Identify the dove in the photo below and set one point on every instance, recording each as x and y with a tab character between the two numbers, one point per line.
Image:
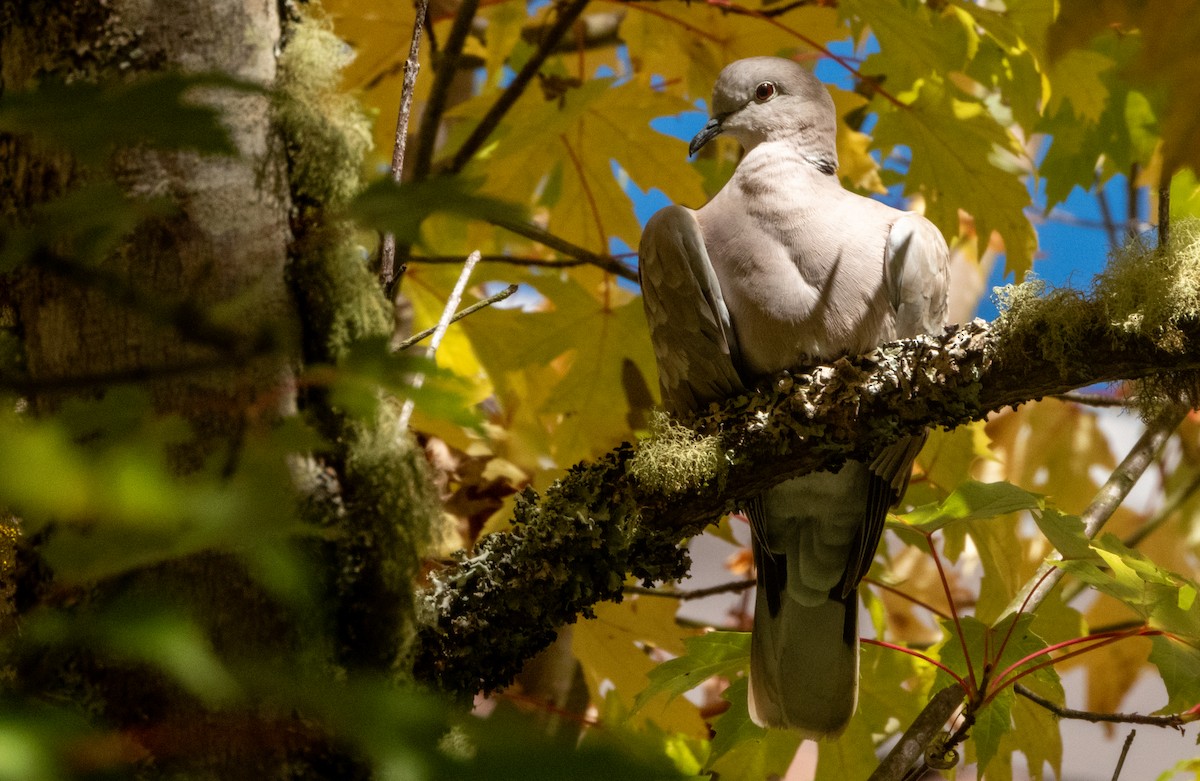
781	268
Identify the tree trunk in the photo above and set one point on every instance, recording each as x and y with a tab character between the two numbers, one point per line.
216	264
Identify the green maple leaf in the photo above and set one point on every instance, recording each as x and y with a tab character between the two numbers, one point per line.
962	158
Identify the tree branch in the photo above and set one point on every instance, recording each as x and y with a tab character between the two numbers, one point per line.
512	93
606	262
1172	720
412	66
465	312
627	512
439	92
911	746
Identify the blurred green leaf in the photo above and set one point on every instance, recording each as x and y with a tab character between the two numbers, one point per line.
974	501
401	208
163	110
371	366
84	225
714	653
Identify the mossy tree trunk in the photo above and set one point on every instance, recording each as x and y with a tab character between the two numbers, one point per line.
215	264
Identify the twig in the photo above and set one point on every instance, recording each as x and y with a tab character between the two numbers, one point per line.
1096	399
512	93
439	92
1172	720
514	260
1107	499
1110	223
1164	213
1132	205
911	746
440	331
1124	752
605	262
472	309
695	593
412	67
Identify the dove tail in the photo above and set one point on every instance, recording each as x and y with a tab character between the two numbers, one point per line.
804	665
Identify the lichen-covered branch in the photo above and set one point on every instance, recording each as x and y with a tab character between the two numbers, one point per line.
627	513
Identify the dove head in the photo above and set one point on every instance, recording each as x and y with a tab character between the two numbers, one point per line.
773	99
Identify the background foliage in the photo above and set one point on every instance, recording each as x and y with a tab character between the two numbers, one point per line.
971	111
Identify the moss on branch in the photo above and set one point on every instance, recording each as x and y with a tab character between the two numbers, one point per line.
628	512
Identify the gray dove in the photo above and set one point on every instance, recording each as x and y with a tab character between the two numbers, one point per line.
782	267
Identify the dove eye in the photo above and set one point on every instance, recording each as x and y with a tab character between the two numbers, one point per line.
764	91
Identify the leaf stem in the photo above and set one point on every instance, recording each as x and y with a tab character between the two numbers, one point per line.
973	689
902	649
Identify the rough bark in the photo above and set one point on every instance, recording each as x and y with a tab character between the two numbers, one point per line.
224	246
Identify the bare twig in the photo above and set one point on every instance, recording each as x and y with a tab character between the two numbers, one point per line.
412	67
1107	499
695	593
605	262
472	309
1171	720
512	93
439	92
440	331
1173	503
1110	223
1132	202
1124	752
1096	399
514	260
1164	211
911	746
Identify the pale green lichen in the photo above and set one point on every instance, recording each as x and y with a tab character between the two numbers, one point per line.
328	133
1052	321
1149	291
675	458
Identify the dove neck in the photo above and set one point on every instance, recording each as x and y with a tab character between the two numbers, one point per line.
774	162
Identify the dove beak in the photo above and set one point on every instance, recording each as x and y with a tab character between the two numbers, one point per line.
711	129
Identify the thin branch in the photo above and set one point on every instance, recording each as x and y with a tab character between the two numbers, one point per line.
512	93
1097	399
412	66
439	92
472	309
1106	214
517	260
1107	500
684	595
910	749
1173	720
1164	215
1124	752
1173	503
533	232
1132	201
440	331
